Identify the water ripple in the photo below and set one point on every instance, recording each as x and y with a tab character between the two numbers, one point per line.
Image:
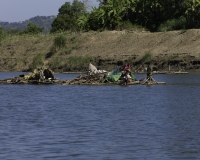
101	122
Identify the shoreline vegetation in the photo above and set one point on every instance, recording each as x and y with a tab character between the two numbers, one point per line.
71	52
113	34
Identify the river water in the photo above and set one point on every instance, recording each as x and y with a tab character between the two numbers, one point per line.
67	122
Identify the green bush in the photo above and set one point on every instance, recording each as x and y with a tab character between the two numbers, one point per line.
33	29
146	57
59	42
38	61
174	24
125	25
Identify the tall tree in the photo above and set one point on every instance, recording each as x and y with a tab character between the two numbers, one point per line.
112	14
96	19
83	22
68	16
192	13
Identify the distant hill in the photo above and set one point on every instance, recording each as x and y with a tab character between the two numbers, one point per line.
40	21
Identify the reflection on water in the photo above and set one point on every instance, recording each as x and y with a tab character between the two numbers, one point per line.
101	122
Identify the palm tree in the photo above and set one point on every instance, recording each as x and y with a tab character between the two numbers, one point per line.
115	10
112	13
97	19
83	22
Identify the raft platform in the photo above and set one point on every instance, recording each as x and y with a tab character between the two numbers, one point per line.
97	79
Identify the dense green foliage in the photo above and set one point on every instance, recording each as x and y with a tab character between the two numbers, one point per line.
60	42
67	16
32	29
151	14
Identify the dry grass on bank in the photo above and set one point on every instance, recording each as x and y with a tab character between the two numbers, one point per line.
23	52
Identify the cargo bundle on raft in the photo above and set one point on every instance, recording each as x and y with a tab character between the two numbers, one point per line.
38	76
119	76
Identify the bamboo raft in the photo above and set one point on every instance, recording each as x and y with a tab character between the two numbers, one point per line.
96	79
150	81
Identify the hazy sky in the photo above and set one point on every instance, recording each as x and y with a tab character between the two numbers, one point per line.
21	10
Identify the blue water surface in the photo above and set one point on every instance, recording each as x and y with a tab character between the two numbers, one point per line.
63	122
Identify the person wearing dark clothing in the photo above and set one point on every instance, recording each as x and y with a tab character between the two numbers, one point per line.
149	71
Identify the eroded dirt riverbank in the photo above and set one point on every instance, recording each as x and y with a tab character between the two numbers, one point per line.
167	51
